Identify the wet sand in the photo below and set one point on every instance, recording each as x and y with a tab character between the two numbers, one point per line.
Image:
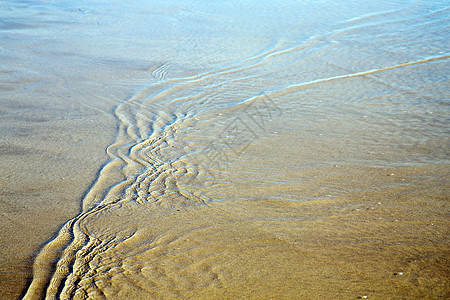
51	152
215	152
385	243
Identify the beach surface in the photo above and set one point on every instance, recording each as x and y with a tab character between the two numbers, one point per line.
232	150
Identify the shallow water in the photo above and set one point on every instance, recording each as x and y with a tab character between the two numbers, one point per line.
224	150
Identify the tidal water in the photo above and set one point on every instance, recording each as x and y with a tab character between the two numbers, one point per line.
219	150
